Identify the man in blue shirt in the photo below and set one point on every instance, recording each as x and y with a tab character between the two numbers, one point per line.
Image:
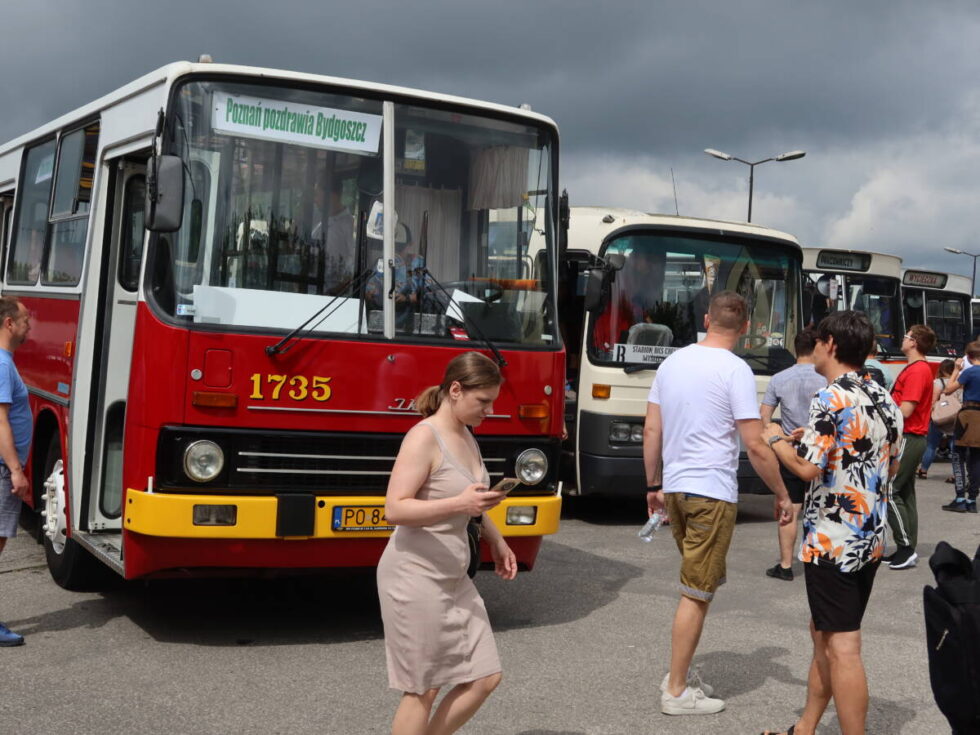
16	429
792	390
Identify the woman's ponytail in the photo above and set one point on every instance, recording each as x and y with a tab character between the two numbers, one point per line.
427	402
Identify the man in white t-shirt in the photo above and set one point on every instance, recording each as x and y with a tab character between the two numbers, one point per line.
701	401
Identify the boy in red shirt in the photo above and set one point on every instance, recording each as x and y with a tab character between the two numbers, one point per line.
913	394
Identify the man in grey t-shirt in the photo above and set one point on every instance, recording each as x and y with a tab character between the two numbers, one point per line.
792	390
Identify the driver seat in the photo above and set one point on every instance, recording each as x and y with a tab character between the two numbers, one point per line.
659	335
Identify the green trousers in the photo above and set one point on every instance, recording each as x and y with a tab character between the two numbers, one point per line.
903	519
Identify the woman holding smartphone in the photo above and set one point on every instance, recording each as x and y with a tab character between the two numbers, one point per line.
437	633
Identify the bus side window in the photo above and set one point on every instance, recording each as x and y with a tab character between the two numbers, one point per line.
132	234
31	218
70	207
6	217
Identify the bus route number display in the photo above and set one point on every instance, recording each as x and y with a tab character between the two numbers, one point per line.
297	387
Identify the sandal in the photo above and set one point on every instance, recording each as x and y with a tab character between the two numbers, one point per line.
922	474
788	732
950	480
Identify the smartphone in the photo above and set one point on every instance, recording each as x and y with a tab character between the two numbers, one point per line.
505	485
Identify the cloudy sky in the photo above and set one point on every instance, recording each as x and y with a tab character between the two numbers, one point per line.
884	95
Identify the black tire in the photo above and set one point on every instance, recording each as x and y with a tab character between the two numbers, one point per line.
74	568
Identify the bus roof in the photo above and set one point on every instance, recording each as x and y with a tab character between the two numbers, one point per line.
936	281
861	261
589	226
171	72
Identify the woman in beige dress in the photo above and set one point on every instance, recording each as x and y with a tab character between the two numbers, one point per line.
437	633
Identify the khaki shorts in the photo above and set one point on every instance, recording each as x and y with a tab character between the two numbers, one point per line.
702	528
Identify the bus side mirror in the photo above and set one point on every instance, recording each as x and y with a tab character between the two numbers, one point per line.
600	279
164	193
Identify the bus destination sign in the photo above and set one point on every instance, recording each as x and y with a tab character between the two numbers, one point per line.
843	260
924	279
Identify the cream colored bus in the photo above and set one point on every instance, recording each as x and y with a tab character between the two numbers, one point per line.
642	286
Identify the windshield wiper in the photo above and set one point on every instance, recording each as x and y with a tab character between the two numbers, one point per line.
466	320
283	346
630	369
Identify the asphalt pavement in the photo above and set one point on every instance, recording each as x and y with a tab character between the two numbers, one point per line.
584	641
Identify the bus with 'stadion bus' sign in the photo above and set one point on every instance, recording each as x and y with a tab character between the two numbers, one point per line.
638	289
240	279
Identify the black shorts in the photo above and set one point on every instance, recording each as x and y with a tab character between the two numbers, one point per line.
838	599
794	486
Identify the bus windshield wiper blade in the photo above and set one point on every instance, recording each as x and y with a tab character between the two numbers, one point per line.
640	367
467	320
283	346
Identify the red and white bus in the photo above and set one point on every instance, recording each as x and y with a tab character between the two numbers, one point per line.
864	281
940	301
229	332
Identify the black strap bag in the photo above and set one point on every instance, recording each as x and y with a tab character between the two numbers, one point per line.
952	612
474	532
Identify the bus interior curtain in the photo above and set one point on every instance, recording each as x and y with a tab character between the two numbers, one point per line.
498	178
443	206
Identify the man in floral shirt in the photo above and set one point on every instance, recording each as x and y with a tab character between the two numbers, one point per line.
849	451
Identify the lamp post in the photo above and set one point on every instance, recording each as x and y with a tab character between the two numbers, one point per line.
973	285
790	156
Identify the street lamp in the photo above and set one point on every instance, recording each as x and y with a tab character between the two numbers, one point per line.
973	286
790	156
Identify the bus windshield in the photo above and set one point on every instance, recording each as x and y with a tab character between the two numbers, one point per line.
876	296
945	312
657	303
284	211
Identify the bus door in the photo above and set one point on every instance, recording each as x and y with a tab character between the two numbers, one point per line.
121	274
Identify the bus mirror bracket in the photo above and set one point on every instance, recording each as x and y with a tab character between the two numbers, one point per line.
164	193
600	278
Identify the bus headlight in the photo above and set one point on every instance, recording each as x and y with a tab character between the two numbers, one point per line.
531	466
203	460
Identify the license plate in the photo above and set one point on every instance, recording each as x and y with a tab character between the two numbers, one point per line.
360	518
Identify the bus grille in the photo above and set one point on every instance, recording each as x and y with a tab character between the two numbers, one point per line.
259	462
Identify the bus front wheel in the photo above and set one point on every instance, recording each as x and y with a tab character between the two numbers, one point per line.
70	565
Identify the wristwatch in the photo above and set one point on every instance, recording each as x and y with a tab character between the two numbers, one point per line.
774	439
654	488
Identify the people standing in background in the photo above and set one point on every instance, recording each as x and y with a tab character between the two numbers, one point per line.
936	434
912	394
16	430
792	390
966	377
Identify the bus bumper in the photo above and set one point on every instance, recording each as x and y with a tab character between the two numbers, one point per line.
621	476
161	533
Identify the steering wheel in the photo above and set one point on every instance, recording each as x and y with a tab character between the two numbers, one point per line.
483	289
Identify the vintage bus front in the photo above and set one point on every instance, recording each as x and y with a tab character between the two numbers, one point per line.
850	279
940	301
658	274
329	258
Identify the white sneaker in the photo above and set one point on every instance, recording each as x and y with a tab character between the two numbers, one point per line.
690	702
693	680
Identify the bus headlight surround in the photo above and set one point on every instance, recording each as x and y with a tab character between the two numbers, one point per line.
203	460
531	466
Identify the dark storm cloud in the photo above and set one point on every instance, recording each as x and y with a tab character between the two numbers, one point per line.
883	95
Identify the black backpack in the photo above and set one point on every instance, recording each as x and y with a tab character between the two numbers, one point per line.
952	610
875	374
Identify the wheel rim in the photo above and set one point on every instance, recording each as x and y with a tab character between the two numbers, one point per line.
55	521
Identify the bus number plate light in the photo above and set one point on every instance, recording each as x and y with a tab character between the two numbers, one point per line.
215	515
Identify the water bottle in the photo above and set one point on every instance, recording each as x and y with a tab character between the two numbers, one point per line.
650	527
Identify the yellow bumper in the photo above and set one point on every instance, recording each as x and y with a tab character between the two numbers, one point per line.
162	514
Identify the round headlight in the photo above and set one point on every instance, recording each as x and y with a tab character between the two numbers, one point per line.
531	466
203	460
